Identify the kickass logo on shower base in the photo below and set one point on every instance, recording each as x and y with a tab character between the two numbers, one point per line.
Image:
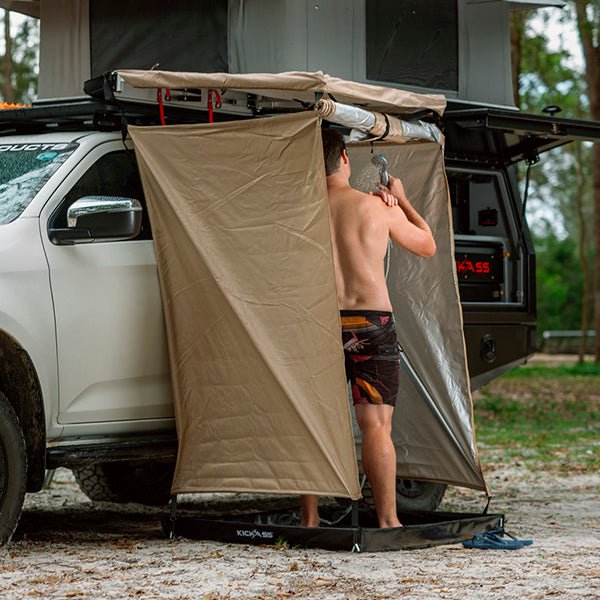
254	533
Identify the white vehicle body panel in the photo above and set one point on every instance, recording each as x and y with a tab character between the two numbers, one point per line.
111	345
26	306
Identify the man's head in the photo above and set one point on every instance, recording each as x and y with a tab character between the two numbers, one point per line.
333	150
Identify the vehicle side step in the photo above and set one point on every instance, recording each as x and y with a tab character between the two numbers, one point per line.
80	455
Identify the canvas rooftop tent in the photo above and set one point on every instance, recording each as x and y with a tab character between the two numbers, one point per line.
446	45
240	222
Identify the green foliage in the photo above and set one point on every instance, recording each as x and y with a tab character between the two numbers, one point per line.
559	283
543	417
559	371
560	192
25	59
548	76
25	50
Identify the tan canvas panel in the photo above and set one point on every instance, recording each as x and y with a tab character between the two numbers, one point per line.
293	85
240	222
434	435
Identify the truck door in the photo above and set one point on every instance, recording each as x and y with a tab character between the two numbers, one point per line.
495	257
112	362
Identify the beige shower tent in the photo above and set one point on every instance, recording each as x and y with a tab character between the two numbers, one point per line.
240	220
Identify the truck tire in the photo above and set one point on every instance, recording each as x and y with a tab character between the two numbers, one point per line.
13	470
411	496
144	482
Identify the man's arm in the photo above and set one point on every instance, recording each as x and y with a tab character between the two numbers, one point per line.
407	227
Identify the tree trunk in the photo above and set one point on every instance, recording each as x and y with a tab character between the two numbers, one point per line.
591	53
517	24
7	65
583	261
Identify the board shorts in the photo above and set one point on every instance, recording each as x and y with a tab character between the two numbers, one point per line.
372	356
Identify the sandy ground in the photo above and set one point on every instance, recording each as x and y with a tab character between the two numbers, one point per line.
67	547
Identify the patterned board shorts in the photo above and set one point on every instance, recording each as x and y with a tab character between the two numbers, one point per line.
372	356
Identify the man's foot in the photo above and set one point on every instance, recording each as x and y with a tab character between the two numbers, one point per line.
385	523
310	511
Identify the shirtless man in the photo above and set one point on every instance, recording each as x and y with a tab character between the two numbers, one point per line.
361	225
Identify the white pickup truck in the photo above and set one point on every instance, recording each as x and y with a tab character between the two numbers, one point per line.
84	379
84	376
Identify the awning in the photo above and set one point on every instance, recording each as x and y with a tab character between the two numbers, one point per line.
294	85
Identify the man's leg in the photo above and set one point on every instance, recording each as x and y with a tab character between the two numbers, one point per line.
310	511
379	459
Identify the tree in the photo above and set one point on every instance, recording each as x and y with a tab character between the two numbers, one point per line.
19	62
588	24
7	63
545	77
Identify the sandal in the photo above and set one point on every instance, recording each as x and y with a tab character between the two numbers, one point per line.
493	540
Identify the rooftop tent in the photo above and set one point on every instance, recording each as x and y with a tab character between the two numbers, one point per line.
446	45
240	219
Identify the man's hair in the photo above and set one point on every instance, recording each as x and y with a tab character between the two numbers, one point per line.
333	146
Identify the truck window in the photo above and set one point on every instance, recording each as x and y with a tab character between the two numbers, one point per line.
114	174
24	169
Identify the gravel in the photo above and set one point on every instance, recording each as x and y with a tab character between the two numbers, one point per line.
68	547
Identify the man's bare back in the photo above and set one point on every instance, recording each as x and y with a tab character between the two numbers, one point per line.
361	226
360	241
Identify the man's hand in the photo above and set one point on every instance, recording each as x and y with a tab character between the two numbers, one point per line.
396	188
387	197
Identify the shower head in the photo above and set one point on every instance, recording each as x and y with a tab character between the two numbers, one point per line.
381	163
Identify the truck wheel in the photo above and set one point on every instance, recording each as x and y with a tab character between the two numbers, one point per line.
13	470
144	482
412	496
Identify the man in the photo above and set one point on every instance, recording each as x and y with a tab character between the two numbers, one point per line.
361	225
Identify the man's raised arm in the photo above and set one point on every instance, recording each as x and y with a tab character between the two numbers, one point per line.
407	227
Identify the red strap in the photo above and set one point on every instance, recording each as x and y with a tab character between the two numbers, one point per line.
161	106
209	104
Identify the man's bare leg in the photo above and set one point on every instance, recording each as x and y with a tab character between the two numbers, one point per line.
310	511
379	459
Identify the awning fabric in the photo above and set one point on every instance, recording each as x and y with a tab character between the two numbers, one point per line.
240	224
433	433
241	230
294	85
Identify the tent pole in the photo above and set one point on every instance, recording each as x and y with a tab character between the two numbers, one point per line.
173	516
355	527
487	505
354	514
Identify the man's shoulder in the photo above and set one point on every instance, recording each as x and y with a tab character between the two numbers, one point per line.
362	202
365	199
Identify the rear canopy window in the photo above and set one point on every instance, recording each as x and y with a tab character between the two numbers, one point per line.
24	169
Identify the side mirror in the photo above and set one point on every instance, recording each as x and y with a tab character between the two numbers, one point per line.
100	218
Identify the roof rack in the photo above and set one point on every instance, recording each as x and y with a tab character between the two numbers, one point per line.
109	107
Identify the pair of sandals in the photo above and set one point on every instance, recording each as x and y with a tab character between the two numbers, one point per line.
493	540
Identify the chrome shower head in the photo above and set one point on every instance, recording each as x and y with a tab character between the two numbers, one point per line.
381	163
